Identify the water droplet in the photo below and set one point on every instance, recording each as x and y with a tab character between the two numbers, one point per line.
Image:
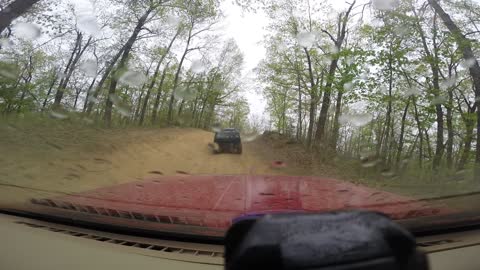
385	5
376	23
348	86
93	100
26	31
439	100
217	127
88	121
333	50
58	115
89	67
120	106
388	174
412	92
468	63
5	43
173	21
363	76
306	39
450	82
89	25
349	61
401	30
9	71
356	120
133	78
278	164
184	93
370	164
197	67
281	47
61	75
249	137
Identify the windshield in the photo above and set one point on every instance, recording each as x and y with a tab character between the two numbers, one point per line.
185	116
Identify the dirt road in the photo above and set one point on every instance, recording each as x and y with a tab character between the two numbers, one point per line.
80	163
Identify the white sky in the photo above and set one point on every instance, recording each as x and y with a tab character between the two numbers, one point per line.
248	30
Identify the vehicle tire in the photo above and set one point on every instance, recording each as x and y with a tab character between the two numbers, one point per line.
239	148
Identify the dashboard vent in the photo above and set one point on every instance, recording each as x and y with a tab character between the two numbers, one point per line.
129	243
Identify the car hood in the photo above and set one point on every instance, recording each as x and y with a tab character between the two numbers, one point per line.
207	205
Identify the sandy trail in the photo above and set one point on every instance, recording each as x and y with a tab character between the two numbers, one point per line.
134	155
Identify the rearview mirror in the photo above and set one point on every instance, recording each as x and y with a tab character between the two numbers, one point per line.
347	240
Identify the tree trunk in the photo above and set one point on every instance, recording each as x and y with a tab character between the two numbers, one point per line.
14	10
50	88
450	130
420	134
89	90
109	69
159	94
322	121
71	67
402	133
336	123
122	64
177	77
465	155
154	80
313	99
465	46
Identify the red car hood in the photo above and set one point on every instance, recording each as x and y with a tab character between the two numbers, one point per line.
207	205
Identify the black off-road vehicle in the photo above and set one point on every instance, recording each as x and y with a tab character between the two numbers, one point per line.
228	140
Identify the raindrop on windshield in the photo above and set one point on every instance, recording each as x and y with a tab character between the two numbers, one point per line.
306	39
197	66
26	31
281	48
89	67
172	21
5	43
217	127
133	78
61	75
89	25
119	105
468	63
385	5
376	22
93	99
58	115
249	137
185	93
370	164
349	61
88	121
401	30
356	120
9	71
439	100
448	83
388	174
412	92
363	76
348	86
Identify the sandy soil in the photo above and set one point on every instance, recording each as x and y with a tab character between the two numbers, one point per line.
72	162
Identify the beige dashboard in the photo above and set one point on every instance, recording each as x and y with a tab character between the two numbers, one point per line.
30	244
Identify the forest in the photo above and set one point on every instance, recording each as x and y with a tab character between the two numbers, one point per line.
122	63
394	83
